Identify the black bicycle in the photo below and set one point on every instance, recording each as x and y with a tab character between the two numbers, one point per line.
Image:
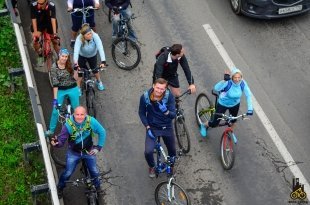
90	191
168	192
125	52
64	112
181	130
89	90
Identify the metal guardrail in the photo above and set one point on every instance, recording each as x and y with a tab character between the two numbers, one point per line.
33	93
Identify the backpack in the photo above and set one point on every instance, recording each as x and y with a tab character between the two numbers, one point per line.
148	101
228	86
162	50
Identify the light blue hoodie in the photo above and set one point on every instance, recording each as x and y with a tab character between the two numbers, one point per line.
89	49
233	95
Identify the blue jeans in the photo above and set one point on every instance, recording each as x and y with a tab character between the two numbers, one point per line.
73	159
126	14
73	94
150	146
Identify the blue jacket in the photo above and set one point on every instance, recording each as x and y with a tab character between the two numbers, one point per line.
233	95
150	115
89	49
83	137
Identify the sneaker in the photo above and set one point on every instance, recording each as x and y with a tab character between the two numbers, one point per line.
48	133
72	43
152	172
203	130
60	192
100	85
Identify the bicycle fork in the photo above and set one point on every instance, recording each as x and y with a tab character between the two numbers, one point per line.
170	190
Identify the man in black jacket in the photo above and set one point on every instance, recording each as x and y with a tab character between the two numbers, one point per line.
166	67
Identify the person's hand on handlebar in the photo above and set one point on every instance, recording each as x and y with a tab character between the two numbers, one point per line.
150	134
54	141
192	88
103	64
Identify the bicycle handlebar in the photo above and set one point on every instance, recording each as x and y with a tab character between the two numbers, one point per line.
84	180
83	10
228	118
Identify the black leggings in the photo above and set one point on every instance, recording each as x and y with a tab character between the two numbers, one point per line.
92	62
222	109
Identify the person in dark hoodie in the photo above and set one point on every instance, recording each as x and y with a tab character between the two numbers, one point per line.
231	90
156	111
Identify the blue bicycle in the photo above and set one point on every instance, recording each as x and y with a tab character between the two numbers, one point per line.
168	192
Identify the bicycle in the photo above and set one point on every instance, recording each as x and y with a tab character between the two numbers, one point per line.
167	191
90	192
205	111
125	52
49	54
88	88
64	112
181	130
84	11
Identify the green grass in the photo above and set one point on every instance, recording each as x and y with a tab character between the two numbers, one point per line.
17	127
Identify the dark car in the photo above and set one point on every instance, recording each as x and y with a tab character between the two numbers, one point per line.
268	9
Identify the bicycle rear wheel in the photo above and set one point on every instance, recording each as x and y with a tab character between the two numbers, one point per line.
177	194
227	150
91	102
126	53
182	134
204	108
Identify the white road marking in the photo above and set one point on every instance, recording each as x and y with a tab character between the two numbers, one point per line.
262	116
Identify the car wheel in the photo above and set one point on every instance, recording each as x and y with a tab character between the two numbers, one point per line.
236	6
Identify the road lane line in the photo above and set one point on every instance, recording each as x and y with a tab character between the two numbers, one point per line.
261	115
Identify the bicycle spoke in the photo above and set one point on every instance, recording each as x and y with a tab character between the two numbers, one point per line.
177	194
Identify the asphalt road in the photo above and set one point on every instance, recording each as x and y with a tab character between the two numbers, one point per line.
274	58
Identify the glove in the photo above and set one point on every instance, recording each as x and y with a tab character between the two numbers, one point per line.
94	151
162	107
226	77
55	103
150	134
250	112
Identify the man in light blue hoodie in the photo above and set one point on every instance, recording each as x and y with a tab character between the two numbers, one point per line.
230	89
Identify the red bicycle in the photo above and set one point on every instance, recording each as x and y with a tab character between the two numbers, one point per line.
49	54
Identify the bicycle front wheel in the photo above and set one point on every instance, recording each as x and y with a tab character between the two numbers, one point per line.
91	102
175	192
126	53
182	134
204	109
227	150
92	198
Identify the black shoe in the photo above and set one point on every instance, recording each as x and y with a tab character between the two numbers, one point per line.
99	190
60	192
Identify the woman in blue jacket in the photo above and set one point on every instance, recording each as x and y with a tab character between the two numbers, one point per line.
86	47
231	90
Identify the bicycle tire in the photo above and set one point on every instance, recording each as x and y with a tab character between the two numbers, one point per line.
92	199
59	155
182	135
161	194
204	108
227	150
91	102
110	16
126	53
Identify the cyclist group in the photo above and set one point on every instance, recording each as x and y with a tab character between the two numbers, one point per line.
157	106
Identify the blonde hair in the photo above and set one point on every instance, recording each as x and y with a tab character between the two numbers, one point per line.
84	30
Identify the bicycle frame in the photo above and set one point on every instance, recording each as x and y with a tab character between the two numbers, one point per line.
178	101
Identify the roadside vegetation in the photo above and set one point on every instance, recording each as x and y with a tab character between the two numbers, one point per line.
17	127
